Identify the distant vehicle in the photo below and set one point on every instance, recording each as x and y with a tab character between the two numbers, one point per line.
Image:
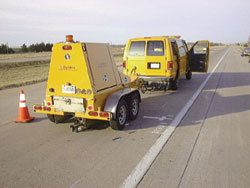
162	61
245	52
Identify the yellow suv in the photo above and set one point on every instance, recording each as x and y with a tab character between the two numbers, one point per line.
162	61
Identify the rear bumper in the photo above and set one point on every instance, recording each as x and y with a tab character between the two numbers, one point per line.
98	115
245	54
156	78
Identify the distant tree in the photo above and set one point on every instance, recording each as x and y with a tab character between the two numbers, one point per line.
4	49
32	48
216	44
24	48
40	47
48	47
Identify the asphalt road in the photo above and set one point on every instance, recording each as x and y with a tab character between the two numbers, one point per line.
210	147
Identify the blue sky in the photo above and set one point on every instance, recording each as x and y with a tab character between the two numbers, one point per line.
114	21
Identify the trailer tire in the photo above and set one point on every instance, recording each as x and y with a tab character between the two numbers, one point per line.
57	118
133	106
121	116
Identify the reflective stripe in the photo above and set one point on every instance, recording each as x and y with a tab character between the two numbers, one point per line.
22	104
22	97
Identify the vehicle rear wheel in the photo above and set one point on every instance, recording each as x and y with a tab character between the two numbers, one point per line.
121	116
189	75
58	118
133	106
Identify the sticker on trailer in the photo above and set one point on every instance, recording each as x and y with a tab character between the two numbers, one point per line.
68	89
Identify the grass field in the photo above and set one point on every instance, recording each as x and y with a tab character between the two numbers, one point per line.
43	54
24	55
24	73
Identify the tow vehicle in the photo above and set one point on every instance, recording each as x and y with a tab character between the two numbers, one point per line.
162	61
84	83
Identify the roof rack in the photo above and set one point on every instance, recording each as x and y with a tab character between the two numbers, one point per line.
173	36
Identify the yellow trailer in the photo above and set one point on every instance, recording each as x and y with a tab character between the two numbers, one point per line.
84	83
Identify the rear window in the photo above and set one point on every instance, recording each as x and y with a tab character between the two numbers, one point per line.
137	48
155	48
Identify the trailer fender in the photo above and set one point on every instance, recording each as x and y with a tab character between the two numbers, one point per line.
113	99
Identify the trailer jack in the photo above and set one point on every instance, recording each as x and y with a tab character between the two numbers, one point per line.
80	124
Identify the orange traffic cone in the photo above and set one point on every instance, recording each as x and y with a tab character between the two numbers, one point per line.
23	112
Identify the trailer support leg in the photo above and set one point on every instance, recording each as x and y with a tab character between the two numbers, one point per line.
80	124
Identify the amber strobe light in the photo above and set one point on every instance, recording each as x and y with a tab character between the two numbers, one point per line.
69	38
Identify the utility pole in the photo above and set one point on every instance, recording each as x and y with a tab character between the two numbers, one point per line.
7	48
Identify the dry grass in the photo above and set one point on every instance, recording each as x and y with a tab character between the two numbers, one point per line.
118	59
15	74
216	47
42	54
25	55
25	73
117	49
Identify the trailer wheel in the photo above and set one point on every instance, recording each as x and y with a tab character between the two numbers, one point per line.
189	75
121	116
57	118
133	106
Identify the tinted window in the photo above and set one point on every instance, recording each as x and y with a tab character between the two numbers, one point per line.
181	48
200	48
173	44
137	48
155	48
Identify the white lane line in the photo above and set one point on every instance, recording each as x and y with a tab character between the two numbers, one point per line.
74	184
142	167
158	118
158	129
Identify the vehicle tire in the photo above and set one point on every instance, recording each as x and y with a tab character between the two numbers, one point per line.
57	118
133	106
121	116
189	75
173	85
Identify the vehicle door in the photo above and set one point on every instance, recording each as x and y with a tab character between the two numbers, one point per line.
135	57
175	59
199	56
155	58
182	57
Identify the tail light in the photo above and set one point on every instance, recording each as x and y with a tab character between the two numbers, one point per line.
38	108
90	107
104	114
67	47
91	113
46	108
124	64
170	65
